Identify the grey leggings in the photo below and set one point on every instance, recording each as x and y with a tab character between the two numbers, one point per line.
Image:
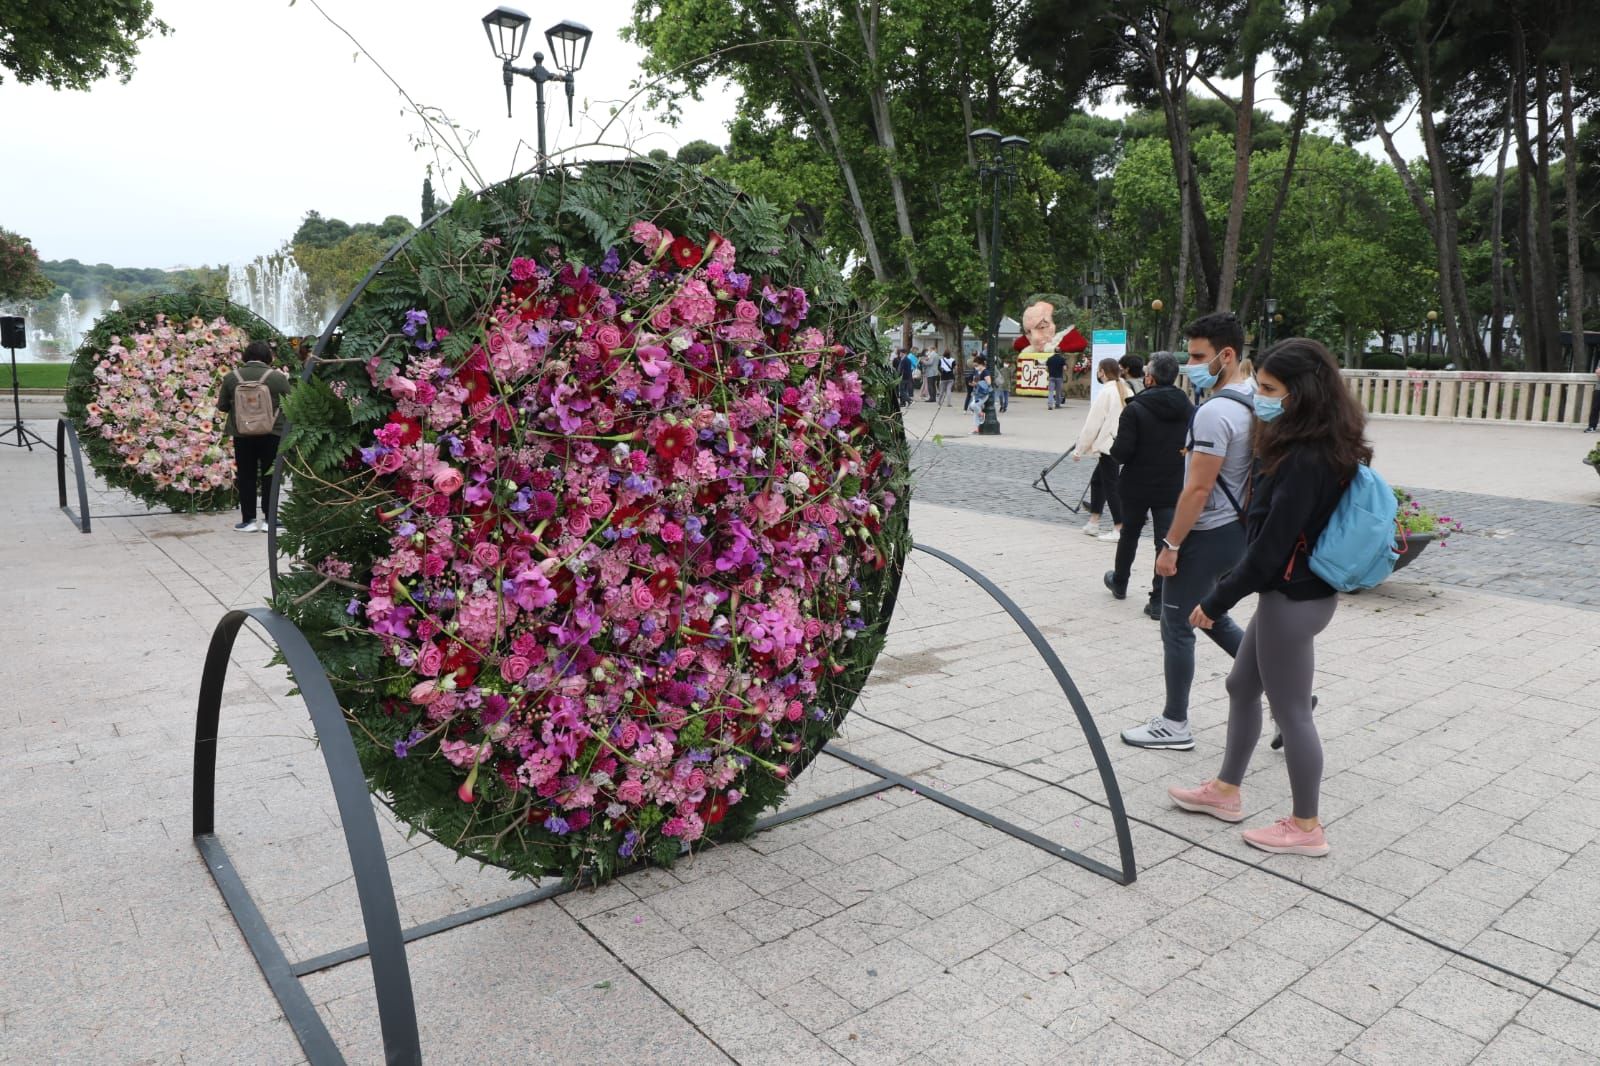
1277	657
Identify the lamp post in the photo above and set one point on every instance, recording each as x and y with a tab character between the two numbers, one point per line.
507	29
1433	317
1273	318
996	161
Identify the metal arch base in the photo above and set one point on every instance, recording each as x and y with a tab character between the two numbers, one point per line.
66	434
386	940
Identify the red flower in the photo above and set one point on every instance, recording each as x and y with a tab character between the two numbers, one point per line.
663	582
686	253
412	428
673	441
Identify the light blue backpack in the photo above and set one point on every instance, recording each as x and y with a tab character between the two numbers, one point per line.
1356	549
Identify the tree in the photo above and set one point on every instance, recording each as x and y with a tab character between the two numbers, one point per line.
696	153
320	232
21	277
71	46
429	208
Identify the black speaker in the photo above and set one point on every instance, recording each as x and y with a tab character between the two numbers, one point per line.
13	332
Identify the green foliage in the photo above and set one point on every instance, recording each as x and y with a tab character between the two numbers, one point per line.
42	375
696	153
452	269
21	277
81	389
72	46
106	283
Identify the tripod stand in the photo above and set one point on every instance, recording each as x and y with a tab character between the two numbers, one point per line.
26	438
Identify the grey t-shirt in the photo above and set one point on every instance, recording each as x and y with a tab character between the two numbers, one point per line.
1222	427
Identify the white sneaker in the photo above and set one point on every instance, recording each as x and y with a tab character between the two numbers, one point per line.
1091	528
245	527
1160	732
1111	534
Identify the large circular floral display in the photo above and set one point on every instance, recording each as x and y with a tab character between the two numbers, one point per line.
143	390
600	506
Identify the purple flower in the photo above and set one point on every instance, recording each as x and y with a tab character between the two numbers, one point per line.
630	840
612	261
414	321
402	748
557	825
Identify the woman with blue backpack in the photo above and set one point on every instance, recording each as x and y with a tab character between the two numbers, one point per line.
1310	453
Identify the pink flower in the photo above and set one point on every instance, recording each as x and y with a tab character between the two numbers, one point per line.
514	668
745	311
424	692
523	269
447	480
608	337
429	662
485	555
642	597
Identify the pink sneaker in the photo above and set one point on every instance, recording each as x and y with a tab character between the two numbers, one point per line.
1208	799
1286	838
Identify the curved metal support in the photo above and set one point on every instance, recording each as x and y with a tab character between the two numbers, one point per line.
66	434
391	975
1108	776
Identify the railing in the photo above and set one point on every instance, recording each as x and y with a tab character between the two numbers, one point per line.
1470	396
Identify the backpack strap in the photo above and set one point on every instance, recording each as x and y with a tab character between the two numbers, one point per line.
1221	481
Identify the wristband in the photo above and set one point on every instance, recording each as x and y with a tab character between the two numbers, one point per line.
1169	545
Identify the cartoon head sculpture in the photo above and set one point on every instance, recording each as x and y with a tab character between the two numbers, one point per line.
1039	325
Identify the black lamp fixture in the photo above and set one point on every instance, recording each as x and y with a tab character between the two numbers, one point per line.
507	29
996	154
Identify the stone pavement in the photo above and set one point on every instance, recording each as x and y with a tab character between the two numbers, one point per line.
1462	799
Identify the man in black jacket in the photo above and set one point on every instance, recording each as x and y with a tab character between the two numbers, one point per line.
1149	446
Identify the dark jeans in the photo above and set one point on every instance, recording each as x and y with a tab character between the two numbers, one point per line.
1207	554
1594	408
1134	512
252	460
1103	493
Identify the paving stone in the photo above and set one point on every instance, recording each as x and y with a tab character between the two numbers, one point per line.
1464	1004
1304	935
1113	1043
1003	1038
1517	1045
1295	1029
1370	976
877	973
1563	1020
1147	960
1401	1038
959	935
1185	1017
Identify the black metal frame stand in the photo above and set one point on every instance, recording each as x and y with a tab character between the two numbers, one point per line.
26	438
1042	483
386	939
67	436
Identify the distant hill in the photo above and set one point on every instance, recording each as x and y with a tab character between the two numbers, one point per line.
104	282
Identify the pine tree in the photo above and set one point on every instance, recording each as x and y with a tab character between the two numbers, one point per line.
428	207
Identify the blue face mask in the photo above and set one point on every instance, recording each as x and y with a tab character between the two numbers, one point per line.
1200	375
1268	407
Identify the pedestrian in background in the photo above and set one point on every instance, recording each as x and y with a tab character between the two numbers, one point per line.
1133	372
1099	433
251	395
930	375
1055	370
1149	450
1308	442
947	377
982	389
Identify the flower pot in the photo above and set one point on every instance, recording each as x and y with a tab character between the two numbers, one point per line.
1593	465
1411	547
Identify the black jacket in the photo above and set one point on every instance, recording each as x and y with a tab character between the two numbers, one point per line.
1150	438
1286	514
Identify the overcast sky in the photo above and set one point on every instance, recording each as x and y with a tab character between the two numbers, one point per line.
254	111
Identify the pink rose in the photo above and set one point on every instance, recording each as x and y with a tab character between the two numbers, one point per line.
402	388
429	662
424	692
671	532
630	791
662	319
389	462
745	311
643	598
485	555
514	668
447	480
432	566
608	337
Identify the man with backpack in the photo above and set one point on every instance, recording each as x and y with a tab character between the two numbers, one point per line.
252	395
947	377
1151	436
1206	537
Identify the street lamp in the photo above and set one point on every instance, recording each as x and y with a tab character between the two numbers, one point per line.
507	29
1433	317
1272	317
996	161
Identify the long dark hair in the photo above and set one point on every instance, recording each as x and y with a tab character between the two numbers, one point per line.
1319	414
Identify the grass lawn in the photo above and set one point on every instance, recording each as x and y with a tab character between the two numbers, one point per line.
37	375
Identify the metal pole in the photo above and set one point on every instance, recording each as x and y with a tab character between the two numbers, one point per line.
538	83
991	420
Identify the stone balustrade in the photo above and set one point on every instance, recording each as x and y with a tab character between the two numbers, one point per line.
1472	396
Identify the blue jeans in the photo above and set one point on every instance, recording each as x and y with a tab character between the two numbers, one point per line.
1207	554
1057	394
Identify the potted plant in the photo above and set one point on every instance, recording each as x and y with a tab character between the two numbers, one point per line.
1417	526
1593	458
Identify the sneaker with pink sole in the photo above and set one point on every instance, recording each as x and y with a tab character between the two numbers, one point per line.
1208	799
1283	837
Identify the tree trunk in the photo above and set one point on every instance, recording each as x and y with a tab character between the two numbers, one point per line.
906	330
1242	137
1497	257
1580	346
819	96
1529	262
972	156
1549	306
1262	269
